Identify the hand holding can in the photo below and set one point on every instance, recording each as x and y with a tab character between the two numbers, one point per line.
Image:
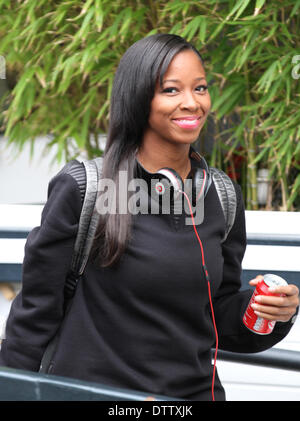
273	300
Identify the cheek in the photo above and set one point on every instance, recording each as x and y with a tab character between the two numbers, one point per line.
160	111
207	103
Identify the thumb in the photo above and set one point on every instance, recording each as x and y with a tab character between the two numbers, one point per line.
256	280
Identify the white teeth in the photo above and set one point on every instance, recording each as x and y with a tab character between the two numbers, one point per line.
188	121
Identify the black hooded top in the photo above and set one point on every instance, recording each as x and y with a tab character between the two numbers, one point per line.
145	323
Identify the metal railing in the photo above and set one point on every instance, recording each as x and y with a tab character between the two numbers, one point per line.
274	239
272	358
20	385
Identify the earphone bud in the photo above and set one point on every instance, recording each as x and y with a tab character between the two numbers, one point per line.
160	188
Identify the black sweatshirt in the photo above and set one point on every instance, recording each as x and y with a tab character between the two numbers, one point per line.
145	323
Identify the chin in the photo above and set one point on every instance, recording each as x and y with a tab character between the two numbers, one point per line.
182	141
188	140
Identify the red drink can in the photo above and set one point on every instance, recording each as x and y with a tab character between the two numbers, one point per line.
251	320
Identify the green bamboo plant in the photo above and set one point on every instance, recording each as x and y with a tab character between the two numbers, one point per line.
62	56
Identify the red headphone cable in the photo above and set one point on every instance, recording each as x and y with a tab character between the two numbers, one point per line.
209	295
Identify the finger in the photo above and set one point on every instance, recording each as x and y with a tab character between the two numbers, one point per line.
290	291
278	318
281	302
274	301
272	310
287	290
273	313
256	280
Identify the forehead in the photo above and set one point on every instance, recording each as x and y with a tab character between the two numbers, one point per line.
185	64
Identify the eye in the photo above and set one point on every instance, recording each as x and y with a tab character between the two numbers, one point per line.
170	90
202	88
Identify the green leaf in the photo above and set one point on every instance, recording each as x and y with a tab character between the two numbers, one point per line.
295	8
203	29
239	7
229	105
99	15
223	97
294	192
192	27
258	5
267	78
70	69
127	15
83	32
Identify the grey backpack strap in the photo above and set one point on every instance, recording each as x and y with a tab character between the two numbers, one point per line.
87	224
87	178
227	197
89	217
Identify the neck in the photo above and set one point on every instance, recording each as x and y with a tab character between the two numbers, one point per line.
173	156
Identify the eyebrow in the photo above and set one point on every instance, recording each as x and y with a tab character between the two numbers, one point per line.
177	80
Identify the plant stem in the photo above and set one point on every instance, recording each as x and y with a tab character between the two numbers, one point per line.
251	149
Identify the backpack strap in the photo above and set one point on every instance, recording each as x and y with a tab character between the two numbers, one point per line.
227	196
87	177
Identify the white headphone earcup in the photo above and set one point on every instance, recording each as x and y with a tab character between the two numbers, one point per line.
201	182
173	177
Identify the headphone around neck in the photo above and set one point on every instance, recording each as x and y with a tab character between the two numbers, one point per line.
200	180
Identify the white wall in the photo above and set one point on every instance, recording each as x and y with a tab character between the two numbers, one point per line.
25	180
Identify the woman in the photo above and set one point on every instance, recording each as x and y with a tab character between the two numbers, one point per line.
141	316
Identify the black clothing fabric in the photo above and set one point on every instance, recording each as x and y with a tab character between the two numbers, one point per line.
145	323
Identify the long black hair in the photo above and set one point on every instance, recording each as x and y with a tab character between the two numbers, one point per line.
142	65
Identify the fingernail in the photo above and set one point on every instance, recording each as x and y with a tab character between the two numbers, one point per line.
258	299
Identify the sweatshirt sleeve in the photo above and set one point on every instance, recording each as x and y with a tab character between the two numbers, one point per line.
37	310
230	302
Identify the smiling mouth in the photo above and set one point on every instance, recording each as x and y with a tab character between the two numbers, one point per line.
187	122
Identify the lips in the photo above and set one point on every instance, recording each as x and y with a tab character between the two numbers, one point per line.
187	122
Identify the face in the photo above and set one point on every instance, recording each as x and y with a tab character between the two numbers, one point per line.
180	107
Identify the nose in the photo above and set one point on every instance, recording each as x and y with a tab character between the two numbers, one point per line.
190	101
